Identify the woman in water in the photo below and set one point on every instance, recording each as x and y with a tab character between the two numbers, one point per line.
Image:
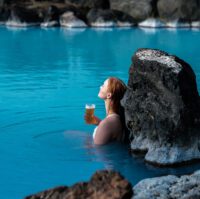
112	127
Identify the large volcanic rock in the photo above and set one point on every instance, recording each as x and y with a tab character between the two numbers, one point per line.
139	10
103	184
179	9
162	108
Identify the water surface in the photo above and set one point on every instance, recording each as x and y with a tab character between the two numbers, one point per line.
47	76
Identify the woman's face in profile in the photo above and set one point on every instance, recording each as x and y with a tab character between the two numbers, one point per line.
103	90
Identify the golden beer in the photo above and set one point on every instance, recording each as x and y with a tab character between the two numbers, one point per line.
89	111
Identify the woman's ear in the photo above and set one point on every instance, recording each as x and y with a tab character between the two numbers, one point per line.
109	95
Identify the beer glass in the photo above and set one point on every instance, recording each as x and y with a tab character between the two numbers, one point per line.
89	111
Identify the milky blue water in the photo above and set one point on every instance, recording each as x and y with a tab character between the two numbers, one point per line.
46	77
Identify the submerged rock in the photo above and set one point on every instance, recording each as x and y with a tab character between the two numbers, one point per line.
103	184
169	187
162	108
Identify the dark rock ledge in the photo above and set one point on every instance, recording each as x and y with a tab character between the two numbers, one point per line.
102	185
162	108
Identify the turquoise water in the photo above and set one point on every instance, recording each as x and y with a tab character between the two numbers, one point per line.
46	77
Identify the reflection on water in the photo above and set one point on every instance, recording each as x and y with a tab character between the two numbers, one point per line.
117	156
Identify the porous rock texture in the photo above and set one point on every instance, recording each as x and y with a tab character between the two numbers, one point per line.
169	187
162	108
182	13
179	9
139	10
103	184
99	15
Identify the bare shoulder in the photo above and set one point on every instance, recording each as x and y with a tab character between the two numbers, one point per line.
104	125
107	130
110	122
103	133
114	120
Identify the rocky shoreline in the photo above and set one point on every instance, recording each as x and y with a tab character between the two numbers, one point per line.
169	187
110	184
100	13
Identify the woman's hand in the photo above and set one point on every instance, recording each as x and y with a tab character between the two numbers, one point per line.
92	120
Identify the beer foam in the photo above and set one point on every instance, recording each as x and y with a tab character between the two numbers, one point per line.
88	106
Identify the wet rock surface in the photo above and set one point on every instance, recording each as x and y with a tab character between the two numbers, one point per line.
126	13
139	10
98	16
103	184
179	9
169	187
68	19
162	108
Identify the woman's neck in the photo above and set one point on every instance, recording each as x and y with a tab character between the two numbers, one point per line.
109	108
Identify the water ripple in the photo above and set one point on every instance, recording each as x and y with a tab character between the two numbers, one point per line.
48	133
29	121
